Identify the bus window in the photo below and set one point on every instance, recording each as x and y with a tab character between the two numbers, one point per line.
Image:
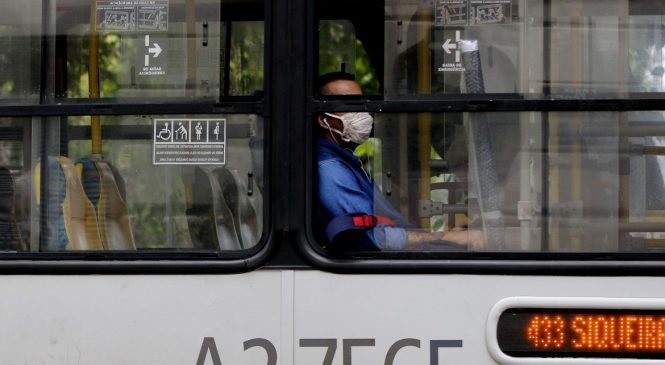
422	54
509	180
160	179
337	46
349	42
555	182
20	30
246	62
582	49
160	182
171	49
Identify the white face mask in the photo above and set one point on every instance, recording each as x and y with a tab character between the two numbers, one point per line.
357	126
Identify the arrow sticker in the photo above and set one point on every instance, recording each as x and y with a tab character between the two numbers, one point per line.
448	46
156	50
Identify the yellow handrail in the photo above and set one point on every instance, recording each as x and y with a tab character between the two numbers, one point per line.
93	79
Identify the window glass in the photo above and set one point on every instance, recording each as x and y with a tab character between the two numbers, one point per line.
168	48
351	42
246	64
501	182
337	46
189	182
588	49
20	50
138	182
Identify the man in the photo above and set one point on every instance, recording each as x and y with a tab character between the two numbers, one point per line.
346	191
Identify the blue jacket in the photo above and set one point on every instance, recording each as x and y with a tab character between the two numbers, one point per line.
344	187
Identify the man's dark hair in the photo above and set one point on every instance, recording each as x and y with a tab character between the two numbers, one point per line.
332	76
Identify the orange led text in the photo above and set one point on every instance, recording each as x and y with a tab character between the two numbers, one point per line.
597	332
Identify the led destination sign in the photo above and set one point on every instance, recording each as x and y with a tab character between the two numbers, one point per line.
582	333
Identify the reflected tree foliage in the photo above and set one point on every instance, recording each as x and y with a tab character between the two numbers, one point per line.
246	58
112	61
339	48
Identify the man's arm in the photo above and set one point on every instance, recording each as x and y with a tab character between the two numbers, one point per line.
473	239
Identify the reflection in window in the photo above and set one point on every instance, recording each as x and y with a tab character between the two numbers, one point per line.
14	156
589	48
341	49
647	53
563	182
20	51
246	58
337	47
119	199
566	182
191	52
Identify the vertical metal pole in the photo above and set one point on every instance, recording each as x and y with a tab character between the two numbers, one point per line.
554	159
425	17
576	152
190	82
45	97
545	122
227	58
525	134
624	157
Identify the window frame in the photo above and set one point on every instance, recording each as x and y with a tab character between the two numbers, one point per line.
616	263
148	261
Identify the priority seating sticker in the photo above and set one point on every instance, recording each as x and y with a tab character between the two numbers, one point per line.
189	142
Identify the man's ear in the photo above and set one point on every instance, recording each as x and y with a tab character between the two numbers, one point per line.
322	124
330	122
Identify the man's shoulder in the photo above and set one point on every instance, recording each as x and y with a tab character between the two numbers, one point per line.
329	157
329	162
333	166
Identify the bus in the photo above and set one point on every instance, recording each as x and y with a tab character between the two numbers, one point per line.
159	182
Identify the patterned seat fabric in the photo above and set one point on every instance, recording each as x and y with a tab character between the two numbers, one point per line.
57	239
8	232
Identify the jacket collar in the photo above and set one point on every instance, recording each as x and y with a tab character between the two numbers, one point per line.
333	148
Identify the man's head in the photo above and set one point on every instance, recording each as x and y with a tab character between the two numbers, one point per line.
339	83
352	128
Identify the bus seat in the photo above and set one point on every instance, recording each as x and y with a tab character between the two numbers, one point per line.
245	215
22	207
114	222
104	187
9	234
199	212
210	220
72	223
89	179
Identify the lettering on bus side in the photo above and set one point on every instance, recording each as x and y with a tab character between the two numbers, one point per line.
210	351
